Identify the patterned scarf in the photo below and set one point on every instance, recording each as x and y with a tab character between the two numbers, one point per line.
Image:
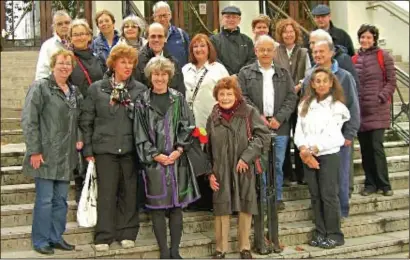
119	94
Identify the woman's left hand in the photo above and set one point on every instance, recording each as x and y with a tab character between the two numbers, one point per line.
174	155
242	166
79	145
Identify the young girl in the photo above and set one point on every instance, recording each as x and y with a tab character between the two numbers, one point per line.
318	136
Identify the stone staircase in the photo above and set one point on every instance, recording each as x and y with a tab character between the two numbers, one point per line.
377	228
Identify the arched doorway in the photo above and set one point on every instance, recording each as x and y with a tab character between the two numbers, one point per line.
28	23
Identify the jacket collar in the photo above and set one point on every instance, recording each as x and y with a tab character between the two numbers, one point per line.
334	68
255	67
173	95
241	111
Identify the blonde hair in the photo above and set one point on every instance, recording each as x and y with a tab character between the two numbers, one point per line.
80	22
159	63
122	50
64	53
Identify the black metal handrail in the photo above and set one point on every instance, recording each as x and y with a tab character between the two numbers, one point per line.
403	78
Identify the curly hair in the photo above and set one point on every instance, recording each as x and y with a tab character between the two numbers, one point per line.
211	49
261	19
336	90
122	50
65	53
230	82
281	27
371	29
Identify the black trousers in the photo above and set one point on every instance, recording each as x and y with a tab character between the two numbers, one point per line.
374	160
117	214
288	172
324	190
175	229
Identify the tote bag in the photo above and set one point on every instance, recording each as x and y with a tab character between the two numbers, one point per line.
87	206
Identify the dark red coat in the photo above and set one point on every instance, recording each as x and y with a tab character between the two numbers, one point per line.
375	91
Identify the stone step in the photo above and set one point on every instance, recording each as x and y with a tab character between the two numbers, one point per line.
10	112
373	246
25	193
10	123
297	210
402	255
290	234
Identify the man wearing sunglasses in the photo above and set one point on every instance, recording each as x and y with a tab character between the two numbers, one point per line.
61	26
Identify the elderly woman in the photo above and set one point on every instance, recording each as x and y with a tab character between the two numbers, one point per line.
107	127
162	129
233	155
200	77
89	68
377	77
292	56
132	29
108	36
50	128
319	137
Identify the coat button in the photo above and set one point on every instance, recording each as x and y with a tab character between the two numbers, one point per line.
119	150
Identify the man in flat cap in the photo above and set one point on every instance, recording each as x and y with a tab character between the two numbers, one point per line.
234	49
321	15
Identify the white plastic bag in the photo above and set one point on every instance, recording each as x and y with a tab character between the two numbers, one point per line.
87	206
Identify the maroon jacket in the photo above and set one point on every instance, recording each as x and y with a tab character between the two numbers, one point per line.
375	91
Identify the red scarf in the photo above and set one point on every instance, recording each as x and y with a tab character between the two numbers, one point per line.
228	113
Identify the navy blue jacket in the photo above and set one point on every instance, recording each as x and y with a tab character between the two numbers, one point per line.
100	45
178	46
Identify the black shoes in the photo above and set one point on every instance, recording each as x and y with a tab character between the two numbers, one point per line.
246	254
329	243
367	192
63	245
316	241
46	250
218	255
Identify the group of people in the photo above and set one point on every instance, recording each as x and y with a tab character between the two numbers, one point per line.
130	100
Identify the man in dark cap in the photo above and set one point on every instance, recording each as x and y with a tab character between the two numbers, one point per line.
234	49
321	15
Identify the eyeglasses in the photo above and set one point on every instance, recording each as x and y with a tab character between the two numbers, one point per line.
161	16
79	34
63	23
128	26
263	50
155	36
67	64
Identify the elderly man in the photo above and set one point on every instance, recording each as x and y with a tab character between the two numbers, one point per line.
270	89
155	47
322	18
177	41
61	26
323	53
234	49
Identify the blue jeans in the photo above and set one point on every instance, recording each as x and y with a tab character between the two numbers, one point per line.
50	212
344	179
281	144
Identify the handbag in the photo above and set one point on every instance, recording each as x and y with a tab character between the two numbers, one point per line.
198	159
87	206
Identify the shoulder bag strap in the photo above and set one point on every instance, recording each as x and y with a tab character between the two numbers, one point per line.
84	70
197	86
258	164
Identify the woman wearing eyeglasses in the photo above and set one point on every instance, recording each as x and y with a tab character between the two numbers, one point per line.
132	29
89	68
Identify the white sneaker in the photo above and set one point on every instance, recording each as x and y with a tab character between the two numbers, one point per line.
127	243
102	247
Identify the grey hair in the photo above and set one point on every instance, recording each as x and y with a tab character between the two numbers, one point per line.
134	20
57	14
160	63
264	38
160	4
157	25
329	44
321	35
80	22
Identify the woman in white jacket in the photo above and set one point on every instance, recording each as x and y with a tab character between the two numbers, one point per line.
319	137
